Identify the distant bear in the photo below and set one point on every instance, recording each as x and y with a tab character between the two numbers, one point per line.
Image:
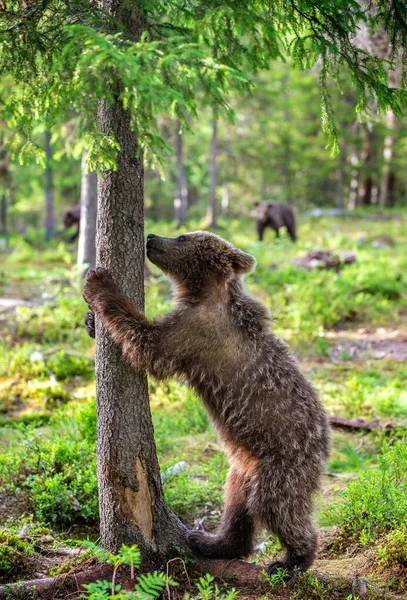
274	215
72	216
268	416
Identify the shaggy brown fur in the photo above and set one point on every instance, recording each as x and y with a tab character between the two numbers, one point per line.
274	215
268	416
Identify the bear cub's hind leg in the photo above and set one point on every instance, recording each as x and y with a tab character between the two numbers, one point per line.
234	537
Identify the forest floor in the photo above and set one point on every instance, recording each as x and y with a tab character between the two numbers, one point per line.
348	329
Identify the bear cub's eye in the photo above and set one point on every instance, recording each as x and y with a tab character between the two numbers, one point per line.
182	238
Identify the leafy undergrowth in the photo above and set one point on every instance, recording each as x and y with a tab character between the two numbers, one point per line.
47	412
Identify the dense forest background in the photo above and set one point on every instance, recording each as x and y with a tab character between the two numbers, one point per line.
336	295
273	149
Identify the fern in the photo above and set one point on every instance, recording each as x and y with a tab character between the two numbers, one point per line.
147	586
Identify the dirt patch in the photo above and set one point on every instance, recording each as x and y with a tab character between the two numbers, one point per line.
368	343
373	349
9	305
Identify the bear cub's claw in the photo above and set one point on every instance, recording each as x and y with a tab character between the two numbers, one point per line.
90	324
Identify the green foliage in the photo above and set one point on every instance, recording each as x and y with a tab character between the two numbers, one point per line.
52	322
15	553
377	501
277	579
366	392
171	58
58	475
208	590
146	587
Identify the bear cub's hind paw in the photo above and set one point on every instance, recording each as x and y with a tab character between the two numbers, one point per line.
212	546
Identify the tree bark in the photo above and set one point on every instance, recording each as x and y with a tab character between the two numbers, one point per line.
49	189
354	181
212	212
132	507
225	200
181	201
3	214
387	187
340	193
87	227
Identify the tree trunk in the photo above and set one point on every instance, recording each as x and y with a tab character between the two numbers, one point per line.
213	175
387	188
3	214
132	507
49	189
354	181
340	194
87	227
181	201
366	190
225	200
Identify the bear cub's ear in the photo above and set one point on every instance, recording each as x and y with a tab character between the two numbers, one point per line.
241	262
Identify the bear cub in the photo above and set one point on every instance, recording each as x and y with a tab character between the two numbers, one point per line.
217	339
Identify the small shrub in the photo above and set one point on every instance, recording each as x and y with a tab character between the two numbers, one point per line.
376	503
58	475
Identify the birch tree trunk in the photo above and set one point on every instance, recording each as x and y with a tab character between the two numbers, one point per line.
181	200
340	193
354	181
212	212
49	189
87	227
132	507
387	187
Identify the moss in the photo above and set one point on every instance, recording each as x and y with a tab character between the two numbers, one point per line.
16	555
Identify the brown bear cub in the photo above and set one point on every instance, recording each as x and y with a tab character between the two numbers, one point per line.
269	418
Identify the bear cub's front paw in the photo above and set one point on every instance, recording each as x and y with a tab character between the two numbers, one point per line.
97	282
90	324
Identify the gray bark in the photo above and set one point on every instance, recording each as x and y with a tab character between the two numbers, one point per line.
3	214
87	228
340	194
49	189
181	201
212	212
225	200
132	507
386	188
354	181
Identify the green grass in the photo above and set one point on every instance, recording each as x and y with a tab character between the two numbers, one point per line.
47	415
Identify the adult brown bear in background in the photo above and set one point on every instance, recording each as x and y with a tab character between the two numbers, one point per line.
72	217
275	215
269	418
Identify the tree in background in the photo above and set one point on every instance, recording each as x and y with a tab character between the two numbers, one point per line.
213	174
181	199
138	60
49	188
87	228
